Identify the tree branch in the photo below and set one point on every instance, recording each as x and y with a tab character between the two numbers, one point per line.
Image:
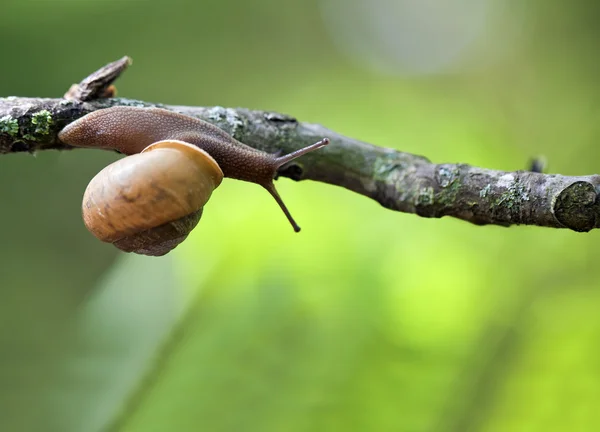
398	181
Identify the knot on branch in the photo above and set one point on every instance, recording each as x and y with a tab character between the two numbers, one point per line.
576	207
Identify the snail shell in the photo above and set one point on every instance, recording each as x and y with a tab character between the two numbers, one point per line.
149	202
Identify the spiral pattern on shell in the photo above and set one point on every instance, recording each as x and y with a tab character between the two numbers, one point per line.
149	202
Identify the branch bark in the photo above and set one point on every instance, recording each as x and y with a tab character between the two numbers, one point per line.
398	181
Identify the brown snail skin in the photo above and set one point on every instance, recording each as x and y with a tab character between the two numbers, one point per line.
130	203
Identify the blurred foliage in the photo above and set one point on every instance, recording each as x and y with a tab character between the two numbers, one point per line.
368	319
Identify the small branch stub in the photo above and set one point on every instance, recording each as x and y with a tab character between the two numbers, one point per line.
99	84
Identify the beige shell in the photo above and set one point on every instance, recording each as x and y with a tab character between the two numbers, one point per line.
149	202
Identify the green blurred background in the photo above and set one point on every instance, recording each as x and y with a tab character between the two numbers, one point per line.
368	320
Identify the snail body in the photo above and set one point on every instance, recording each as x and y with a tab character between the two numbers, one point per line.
149	201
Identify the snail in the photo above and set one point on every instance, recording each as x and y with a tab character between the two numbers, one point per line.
149	201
